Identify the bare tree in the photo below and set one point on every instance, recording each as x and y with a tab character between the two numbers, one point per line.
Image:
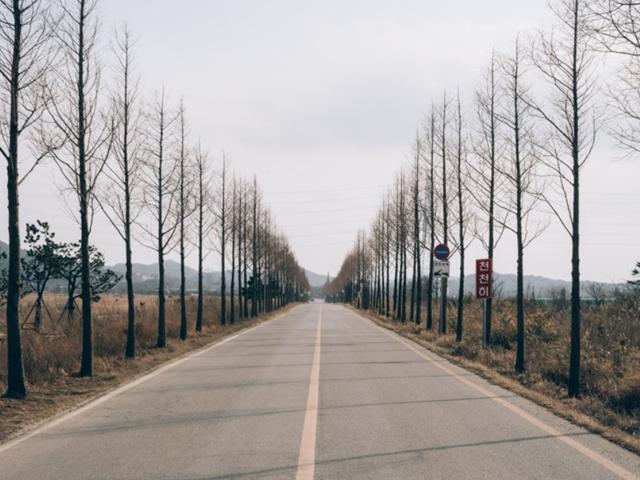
204	225
522	190
161	195
484	179
25	60
245	248
462	213
234	228
223	237
444	159
431	188
185	210
240	222
416	284
616	28
122	172
387	251
255	277
87	132
565	60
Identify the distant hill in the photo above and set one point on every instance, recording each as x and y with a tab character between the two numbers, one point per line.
315	279
506	285
146	278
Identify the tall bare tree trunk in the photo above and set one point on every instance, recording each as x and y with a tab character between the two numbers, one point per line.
461	228
239	240
574	363
387	261
86	363
200	307
416	233
445	218
223	242
520	333
234	219
488	303
432	219
15	369
254	296
245	256
182	213
130	350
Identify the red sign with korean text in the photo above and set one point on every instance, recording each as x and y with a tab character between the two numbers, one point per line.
484	273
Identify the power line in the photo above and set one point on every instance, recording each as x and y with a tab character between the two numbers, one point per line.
324	200
348	189
327	234
309	212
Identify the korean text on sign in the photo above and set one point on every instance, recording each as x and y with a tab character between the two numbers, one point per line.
484	272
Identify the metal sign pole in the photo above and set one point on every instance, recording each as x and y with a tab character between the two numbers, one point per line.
484	323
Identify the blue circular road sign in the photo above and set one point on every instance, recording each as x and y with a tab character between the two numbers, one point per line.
442	252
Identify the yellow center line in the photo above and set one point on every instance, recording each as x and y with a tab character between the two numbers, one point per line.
307	455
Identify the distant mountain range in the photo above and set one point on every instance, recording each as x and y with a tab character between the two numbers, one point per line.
316	279
505	284
146	277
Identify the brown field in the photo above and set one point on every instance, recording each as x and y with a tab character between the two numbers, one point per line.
610	403
51	359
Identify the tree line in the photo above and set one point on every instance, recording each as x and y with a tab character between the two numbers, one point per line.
130	158
507	163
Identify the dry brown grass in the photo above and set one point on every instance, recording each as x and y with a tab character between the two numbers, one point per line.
610	403
51	360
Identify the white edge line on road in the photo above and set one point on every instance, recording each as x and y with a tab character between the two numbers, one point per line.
587	452
119	390
307	456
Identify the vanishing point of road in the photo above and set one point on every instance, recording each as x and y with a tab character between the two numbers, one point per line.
320	392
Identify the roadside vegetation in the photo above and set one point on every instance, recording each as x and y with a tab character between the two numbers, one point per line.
509	162
127	158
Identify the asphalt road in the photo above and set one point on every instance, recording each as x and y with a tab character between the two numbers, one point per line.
319	393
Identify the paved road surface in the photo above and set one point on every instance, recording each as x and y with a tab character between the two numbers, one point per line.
318	393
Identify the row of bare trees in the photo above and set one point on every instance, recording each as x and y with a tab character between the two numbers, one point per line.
130	159
496	165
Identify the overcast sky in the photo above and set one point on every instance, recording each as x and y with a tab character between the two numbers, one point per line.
321	100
